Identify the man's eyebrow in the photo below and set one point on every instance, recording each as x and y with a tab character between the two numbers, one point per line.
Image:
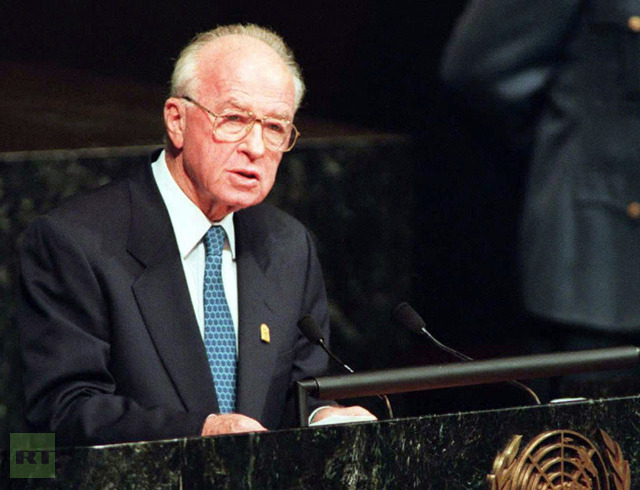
235	103
283	116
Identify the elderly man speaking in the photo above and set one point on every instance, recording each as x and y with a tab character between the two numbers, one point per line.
165	305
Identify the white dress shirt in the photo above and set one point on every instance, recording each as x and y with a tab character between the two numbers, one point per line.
189	226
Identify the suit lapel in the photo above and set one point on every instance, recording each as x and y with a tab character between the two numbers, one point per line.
257	296
163	297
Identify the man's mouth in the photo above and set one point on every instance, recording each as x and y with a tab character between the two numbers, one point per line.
247	174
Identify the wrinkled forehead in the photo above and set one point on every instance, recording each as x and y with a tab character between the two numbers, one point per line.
242	64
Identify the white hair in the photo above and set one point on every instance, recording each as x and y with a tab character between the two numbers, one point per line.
184	75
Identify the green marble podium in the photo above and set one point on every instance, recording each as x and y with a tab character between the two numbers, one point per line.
444	452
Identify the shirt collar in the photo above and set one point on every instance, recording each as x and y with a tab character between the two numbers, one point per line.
189	223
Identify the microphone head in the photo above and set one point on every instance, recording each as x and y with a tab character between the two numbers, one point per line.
406	316
310	330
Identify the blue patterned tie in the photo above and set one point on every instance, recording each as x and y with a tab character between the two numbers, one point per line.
219	334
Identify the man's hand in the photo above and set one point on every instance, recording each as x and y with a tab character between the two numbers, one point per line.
230	423
355	411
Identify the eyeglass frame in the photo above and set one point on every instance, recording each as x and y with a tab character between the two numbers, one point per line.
249	127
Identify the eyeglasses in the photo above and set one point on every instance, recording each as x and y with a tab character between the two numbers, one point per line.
234	124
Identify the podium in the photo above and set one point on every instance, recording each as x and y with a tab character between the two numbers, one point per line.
445	452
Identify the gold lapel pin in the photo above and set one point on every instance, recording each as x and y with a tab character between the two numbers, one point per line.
264	333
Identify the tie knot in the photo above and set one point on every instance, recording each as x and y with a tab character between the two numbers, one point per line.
214	241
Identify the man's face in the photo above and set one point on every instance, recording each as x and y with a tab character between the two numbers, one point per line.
221	177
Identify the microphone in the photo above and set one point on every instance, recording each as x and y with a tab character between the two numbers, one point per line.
312	332
406	316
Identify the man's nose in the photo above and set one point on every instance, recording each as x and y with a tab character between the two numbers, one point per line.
253	142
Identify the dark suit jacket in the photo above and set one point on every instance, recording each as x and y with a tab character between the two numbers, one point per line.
570	69
110	342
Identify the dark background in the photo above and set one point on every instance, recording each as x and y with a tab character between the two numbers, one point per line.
79	74
370	63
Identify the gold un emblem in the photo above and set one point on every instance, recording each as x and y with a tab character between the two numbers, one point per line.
560	460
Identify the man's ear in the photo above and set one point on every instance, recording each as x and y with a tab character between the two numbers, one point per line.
174	119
